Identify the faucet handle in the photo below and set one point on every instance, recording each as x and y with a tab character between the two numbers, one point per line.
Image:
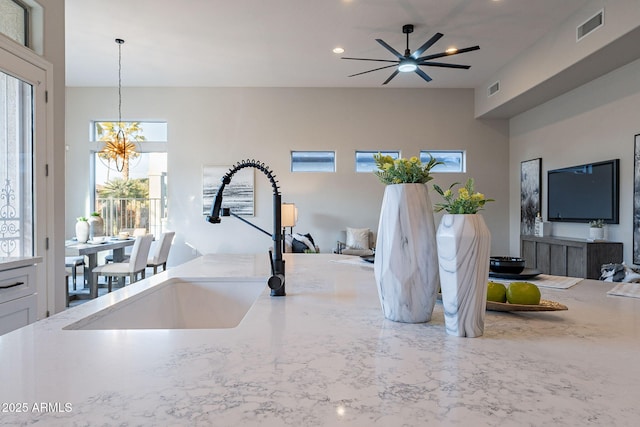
273	267
276	281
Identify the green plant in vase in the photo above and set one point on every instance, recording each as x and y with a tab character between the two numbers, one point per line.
464	245
403	171
406	222
468	201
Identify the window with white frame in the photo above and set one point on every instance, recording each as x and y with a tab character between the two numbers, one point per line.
313	161
136	196
452	160
366	163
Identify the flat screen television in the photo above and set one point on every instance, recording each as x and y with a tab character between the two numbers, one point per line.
584	193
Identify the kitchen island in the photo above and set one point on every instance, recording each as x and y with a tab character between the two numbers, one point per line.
325	356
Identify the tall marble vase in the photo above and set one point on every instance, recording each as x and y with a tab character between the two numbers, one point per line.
82	231
464	244
406	260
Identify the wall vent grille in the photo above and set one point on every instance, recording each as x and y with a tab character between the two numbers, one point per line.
590	25
494	88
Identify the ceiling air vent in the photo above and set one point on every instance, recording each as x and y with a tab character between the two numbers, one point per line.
590	25
494	88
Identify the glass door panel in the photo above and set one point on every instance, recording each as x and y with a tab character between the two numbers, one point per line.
16	167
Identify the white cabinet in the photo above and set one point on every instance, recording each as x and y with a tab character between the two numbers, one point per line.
18	297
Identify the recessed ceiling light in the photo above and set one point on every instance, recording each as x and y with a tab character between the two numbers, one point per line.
451	50
338	50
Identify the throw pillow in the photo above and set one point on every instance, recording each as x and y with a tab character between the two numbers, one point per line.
302	243
358	238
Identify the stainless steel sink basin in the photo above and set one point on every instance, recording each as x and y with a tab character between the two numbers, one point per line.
180	303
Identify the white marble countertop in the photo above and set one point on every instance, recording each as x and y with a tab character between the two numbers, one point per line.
8	263
324	356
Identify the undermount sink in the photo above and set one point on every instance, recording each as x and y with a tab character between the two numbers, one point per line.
180	303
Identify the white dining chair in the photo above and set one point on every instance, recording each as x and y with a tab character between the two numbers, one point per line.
135	266
161	253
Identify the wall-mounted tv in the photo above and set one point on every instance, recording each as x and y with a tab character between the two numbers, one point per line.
584	193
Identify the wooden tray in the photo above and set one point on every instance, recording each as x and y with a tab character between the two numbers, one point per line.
545	305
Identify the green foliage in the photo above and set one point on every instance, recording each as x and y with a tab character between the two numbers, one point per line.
403	171
598	223
467	202
95	213
107	130
82	218
125	189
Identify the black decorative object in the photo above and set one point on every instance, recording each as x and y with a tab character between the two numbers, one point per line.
506	264
530	194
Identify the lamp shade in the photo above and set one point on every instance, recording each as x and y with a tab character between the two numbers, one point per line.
289	214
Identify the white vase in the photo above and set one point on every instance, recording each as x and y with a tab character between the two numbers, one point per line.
82	231
596	233
406	259
464	244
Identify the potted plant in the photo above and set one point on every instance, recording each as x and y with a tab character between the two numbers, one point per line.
596	229
464	245
82	229
406	259
96	225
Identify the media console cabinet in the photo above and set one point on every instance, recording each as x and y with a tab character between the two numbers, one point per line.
568	257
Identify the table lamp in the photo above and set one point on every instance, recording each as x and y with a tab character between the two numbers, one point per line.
288	218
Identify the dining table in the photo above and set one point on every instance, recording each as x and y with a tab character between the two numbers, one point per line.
91	249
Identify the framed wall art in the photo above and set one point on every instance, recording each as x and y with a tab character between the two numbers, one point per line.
238	195
530	194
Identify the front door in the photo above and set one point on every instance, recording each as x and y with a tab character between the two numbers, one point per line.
23	201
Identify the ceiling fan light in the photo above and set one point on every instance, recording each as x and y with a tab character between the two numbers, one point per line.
407	66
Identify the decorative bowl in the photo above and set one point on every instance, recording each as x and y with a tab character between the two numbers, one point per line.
506	264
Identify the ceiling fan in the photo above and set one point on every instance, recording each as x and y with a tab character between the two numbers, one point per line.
412	61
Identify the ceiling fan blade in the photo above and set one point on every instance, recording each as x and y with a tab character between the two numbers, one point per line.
377	60
422	74
442	64
427	45
390	49
375	69
443	54
395	73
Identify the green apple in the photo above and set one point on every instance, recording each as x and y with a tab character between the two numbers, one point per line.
496	292
523	293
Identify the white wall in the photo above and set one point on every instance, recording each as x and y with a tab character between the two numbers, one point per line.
219	126
594	122
557	52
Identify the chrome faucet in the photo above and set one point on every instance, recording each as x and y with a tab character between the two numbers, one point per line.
276	281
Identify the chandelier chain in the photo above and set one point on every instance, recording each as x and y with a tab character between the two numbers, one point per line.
120	42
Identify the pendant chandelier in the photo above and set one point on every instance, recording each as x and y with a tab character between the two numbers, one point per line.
119	149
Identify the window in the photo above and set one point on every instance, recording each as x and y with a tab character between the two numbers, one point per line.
14	16
135	197
313	161
366	163
453	161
